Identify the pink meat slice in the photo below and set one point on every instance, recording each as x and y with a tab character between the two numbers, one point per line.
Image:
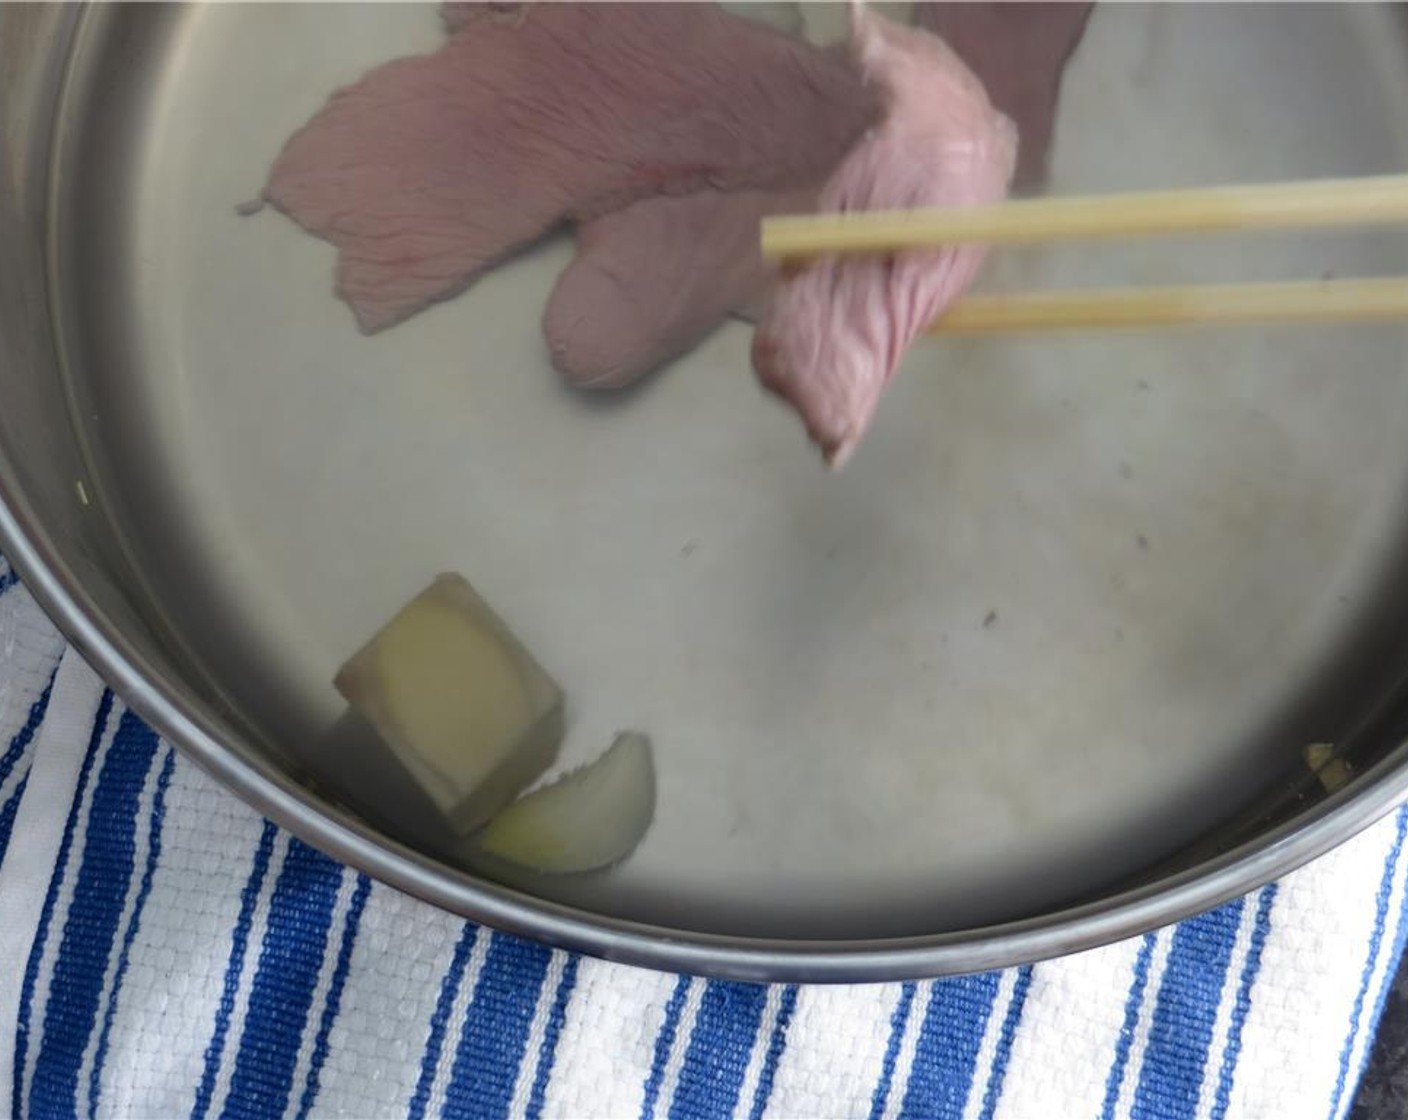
652	281
1019	52
835	331
431	169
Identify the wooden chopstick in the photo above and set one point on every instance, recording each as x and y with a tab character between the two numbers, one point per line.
1371	200
1314	301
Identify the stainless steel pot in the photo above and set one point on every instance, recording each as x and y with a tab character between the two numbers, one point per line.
116	119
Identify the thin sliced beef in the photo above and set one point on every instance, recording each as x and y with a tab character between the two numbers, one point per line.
1019	51
835	331
431	169
652	281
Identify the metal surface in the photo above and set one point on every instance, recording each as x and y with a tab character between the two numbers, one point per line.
1035	671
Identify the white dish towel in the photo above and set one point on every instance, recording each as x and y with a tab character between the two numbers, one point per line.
165	952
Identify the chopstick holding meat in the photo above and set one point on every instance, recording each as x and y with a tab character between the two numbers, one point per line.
835	331
665	132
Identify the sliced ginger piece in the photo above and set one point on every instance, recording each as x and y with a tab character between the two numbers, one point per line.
459	701
586	820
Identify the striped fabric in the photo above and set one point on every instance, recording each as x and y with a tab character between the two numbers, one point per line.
166	952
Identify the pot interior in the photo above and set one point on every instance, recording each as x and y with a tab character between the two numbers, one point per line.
1067	621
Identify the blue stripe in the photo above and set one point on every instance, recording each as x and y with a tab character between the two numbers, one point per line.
663	1041
1395	957
777	1045
333	1004
1131	1020
14	754
238	943
725	1032
1243	1005
494	1037
22	738
946	1053
547	1056
8	812
449	984
36	952
1375	940
898	1021
148	873
1010	1022
104	876
8	579
295	945
1181	1031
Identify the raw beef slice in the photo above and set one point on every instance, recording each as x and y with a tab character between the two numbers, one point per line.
652	281
431	169
835	330
1019	51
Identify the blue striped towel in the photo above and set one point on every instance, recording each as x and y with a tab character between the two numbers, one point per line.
166	952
